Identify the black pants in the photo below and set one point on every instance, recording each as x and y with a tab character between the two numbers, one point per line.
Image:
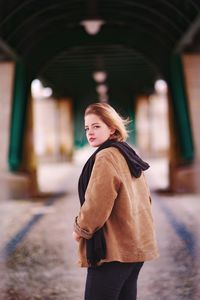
112	281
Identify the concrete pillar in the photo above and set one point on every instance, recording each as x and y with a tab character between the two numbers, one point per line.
158	123
142	124
21	179
152	125
66	128
191	63
6	86
178	95
11	185
184	177
54	135
29	161
46	136
181	176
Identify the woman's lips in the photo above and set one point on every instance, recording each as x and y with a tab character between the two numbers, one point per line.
91	139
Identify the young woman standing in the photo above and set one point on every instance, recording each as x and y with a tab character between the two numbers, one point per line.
114	227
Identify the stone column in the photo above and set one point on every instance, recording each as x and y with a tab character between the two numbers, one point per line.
66	128
14	178
6	86
6	91
142	131
181	143
191	63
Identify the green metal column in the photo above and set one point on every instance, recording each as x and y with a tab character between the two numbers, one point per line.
19	105
179	102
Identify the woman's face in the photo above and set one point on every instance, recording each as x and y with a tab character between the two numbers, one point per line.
97	132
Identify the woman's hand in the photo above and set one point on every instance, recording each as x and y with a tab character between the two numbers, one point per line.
75	236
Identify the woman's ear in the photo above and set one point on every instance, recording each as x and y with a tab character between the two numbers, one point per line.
112	130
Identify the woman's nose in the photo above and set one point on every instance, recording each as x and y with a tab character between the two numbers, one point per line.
90	131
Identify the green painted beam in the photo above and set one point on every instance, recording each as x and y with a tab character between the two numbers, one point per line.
20	98
177	87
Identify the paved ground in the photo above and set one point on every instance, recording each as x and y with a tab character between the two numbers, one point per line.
38	255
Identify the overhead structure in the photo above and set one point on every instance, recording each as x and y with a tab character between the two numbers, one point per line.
104	50
134	40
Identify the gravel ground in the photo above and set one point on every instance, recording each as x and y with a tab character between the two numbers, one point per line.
41	261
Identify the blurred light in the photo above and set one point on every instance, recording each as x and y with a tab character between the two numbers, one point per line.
161	86
92	27
39	91
99	76
36	88
47	92
101	89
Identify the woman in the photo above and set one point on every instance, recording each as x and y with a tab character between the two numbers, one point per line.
114	227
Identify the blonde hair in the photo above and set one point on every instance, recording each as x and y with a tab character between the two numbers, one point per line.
111	118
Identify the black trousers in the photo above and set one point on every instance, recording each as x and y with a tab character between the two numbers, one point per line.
112	281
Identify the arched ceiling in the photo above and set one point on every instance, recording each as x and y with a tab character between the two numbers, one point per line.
134	45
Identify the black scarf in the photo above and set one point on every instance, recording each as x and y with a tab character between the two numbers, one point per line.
96	246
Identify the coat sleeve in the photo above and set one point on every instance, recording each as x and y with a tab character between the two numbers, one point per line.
100	197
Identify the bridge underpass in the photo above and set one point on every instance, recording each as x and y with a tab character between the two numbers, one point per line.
137	44
38	257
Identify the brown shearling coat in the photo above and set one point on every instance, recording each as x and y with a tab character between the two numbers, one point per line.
121	205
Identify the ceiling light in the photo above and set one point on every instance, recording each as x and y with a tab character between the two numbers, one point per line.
161	86
101	89
99	76
39	91
92	27
47	92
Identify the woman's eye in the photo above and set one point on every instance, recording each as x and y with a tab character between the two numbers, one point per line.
86	129
96	126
